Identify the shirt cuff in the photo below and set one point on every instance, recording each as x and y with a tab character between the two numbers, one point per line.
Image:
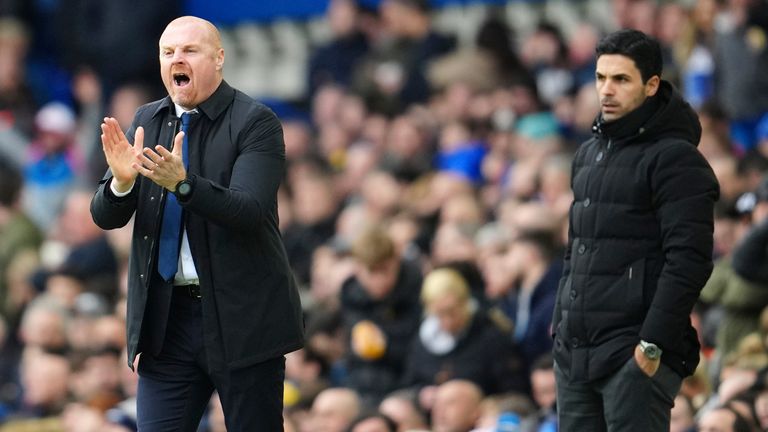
120	194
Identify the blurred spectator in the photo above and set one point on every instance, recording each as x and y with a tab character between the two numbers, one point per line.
742	301
457	340
79	251
43	326
544	393
460	153
496	38
554	183
456	406
454	243
298	138
372	422
546	54
82	418
326	337
306	375
381	311
729	221
53	163
585	109
402	407
314	210
723	419
334	410
334	61
699	76
715	139
669	22
20	238
535	270
89	32
406	153
17	105
95	378
741	57
495	410
491	63
379	194
124	412
45	379
360	159
392	75
634	14
331	266
581	53
462	209
681	417
122	104
751	255
537	136
732	185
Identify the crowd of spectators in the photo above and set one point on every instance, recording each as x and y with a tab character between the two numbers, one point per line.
424	211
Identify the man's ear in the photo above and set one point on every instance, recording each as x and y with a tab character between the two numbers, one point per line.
652	86
220	59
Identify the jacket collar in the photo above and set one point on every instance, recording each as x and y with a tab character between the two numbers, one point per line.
629	125
665	115
211	107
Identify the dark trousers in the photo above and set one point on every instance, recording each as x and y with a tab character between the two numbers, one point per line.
176	385
626	401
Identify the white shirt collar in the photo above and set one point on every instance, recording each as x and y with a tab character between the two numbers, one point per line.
180	110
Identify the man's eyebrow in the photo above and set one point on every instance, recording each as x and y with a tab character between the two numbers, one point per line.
614	76
182	46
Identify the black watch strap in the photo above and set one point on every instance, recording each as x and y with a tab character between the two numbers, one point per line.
184	189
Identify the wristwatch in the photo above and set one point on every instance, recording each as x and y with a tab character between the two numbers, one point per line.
183	189
651	350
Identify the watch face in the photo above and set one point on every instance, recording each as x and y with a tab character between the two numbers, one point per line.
652	352
185	188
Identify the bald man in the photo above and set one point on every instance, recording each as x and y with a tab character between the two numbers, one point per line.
333	410
211	303
456	407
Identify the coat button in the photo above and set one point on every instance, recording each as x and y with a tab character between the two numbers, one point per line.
582	249
141	276
599	156
151	198
587	202
170	124
146	237
575	342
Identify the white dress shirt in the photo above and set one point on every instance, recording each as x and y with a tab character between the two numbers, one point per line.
187	273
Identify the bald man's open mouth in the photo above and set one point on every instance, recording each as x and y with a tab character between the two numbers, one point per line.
180	79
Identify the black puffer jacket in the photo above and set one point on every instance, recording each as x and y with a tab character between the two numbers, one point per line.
640	241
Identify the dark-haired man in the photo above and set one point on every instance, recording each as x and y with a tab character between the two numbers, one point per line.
639	249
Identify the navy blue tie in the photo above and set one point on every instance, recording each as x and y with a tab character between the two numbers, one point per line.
170	232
